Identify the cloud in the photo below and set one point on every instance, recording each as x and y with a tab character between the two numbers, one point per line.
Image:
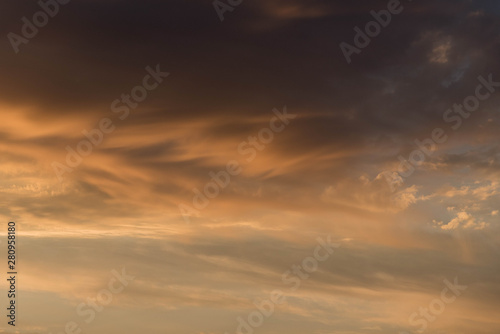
463	220
322	175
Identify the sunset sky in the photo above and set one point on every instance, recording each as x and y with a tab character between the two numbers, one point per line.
315	143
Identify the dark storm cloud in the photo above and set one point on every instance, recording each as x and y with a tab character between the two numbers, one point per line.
93	51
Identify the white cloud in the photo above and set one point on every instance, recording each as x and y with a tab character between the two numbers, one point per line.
464	220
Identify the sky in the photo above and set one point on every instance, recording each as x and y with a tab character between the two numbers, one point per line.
173	166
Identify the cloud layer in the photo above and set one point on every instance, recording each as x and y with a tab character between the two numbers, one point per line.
324	174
